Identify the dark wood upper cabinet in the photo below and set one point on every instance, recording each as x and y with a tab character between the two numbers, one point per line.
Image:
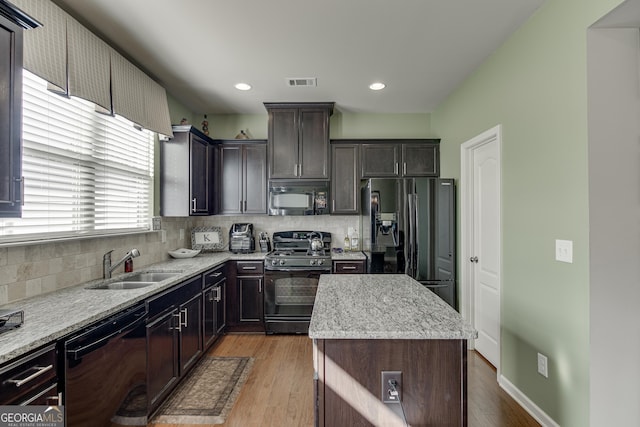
12	23
345	179
187	174
298	142
420	159
244	177
400	158
380	160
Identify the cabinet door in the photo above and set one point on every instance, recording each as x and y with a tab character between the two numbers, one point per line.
231	161
208	317
190	338
251	300
255	179
380	160
162	357
283	143
345	182
10	119
420	160
200	177
314	144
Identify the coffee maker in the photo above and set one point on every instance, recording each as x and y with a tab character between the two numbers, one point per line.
241	238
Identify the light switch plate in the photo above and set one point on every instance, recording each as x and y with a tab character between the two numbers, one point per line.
543	365
564	251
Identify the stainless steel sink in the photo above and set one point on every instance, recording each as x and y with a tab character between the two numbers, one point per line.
122	285
150	276
136	280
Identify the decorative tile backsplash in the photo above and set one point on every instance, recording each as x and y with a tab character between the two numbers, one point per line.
337	225
35	269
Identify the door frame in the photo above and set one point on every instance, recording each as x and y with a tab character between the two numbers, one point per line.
467	293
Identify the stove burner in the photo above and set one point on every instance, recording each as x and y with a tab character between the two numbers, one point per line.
291	250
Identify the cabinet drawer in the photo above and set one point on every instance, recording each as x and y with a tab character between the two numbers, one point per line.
213	276
174	296
250	268
28	376
348	267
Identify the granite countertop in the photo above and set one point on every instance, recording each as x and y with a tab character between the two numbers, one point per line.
382	306
348	256
49	317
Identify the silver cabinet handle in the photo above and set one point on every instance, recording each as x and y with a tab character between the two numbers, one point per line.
218	297
404	168
474	259
299	169
185	312
179	327
193	204
395	168
39	371
249	268
346	267
295	169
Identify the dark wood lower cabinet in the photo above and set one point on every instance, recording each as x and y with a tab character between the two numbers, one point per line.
190	338
162	357
245	297
174	338
349	385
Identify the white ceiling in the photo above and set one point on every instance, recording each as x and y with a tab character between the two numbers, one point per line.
198	49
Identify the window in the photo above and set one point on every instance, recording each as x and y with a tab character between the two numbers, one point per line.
85	173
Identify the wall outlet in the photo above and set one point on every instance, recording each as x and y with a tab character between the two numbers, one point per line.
543	365
157	223
391	391
564	251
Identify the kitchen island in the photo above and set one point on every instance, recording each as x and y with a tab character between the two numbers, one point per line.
363	325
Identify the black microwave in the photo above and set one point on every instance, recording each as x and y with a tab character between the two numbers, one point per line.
298	197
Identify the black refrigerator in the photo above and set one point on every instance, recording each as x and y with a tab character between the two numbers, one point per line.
408	226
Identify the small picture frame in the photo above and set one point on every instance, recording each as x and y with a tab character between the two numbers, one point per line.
207	239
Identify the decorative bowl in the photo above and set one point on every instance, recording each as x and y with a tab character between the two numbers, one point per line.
184	253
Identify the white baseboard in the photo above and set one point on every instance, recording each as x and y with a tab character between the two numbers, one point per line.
538	414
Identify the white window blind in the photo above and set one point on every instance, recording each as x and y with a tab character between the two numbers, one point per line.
85	173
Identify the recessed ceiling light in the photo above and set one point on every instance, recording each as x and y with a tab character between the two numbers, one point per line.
377	86
243	86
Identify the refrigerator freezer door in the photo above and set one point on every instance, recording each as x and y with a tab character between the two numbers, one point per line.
435	230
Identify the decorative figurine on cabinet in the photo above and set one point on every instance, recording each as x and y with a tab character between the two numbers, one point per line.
205	125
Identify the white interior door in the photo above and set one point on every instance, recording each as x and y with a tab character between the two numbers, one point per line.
481	240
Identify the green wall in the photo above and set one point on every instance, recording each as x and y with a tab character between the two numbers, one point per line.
535	87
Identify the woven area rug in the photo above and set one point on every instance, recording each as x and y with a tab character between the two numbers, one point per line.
207	395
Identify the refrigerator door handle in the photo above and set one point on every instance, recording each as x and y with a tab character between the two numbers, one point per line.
410	269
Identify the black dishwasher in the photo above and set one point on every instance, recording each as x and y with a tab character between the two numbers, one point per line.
106	372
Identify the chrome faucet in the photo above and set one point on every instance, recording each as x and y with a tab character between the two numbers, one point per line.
107	268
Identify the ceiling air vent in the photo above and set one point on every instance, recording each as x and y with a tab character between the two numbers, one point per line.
301	81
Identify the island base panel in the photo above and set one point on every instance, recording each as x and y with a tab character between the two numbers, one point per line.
348	385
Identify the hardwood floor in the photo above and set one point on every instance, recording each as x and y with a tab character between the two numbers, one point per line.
279	390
